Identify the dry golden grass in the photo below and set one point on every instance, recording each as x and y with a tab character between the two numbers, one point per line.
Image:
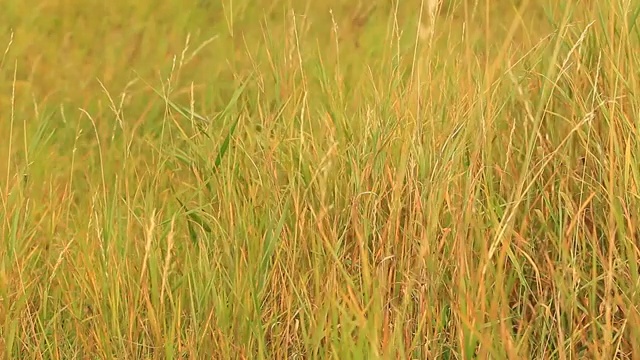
198	179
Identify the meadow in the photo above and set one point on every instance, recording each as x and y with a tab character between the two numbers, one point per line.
285	179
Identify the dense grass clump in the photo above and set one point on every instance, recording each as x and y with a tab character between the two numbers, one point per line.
338	179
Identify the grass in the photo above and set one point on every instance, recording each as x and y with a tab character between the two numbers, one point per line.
346	180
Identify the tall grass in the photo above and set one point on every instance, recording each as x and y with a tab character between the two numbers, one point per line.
348	180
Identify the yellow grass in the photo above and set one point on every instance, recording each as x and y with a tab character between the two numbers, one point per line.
341	179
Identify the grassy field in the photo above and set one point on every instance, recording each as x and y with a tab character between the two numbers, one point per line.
331	179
